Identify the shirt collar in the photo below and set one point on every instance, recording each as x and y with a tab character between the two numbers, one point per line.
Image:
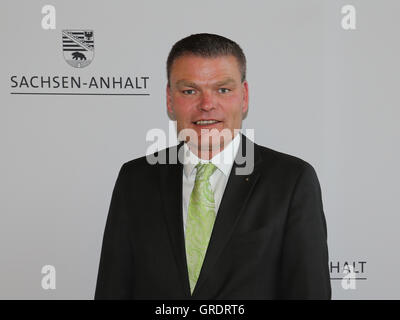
223	160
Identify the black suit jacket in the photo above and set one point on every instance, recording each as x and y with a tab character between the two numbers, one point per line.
269	239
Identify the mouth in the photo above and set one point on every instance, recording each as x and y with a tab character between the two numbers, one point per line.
206	122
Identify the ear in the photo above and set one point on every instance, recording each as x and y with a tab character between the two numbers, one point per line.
245	88
169	101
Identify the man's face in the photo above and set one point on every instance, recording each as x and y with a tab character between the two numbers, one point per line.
207	89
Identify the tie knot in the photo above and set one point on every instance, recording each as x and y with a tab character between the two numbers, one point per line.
205	170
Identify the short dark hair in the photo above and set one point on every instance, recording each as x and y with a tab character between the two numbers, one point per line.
209	46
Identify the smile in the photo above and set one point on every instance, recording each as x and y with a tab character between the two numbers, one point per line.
206	122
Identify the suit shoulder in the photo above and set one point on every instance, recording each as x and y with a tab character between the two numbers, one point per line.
136	164
148	163
283	161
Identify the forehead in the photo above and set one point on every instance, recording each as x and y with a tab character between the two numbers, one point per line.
203	69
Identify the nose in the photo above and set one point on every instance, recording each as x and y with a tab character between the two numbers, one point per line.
207	102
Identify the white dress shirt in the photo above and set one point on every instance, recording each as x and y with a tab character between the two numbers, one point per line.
223	161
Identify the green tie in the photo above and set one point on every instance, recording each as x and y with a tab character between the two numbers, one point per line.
200	221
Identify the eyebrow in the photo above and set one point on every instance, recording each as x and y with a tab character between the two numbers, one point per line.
188	83
225	82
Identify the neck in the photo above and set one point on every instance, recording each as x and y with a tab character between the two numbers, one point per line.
208	152
204	153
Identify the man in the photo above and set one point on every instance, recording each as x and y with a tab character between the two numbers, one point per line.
230	219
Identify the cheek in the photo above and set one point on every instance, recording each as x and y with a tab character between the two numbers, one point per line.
180	101
233	106
181	107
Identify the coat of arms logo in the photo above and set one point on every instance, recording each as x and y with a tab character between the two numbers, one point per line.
78	47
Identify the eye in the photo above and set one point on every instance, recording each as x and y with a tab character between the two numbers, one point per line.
188	91
223	90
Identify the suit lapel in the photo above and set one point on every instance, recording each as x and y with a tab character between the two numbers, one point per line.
171	192
233	203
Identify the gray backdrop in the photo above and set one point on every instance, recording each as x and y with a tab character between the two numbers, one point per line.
317	91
